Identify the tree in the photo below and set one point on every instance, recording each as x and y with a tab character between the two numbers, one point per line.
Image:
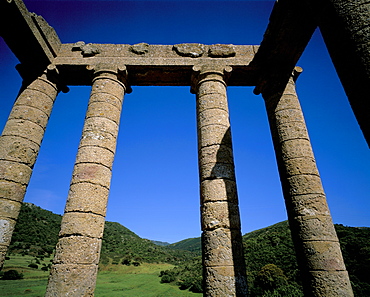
12	274
166	279
33	265
271	277
271	282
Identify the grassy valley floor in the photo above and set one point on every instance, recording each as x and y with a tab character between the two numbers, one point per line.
113	280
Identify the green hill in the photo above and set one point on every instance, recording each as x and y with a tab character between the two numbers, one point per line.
36	234
273	245
160	243
36	231
122	246
272	268
190	244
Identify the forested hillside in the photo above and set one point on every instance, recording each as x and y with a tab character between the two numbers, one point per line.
36	231
122	246
273	245
271	264
36	234
272	268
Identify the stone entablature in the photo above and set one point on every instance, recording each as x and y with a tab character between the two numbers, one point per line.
158	65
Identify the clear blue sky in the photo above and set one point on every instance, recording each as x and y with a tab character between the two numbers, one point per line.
155	190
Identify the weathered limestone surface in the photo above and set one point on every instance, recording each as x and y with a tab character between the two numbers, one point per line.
74	280
78	249
223	260
291	25
317	247
157	65
19	146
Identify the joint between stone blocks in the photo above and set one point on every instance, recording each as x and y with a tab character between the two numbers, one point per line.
84	212
305	174
226	126
317	240
94	127
82	224
214	108
98	146
53	85
6	218
19	173
114	79
102	117
27	112
17	128
295	138
18	149
95	95
34	93
104	92
216	178
92	183
94	163
23	120
78	234
9	208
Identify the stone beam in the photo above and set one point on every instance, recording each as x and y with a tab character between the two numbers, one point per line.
154	65
290	28
345	28
28	35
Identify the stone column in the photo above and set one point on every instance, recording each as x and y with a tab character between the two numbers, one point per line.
19	146
76	260
223	260
316	243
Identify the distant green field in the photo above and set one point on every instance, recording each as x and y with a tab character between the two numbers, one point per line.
142	281
113	280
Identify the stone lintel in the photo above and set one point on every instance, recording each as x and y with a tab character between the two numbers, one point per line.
28	35
154	65
290	28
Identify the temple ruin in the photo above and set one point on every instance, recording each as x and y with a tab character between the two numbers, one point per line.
48	66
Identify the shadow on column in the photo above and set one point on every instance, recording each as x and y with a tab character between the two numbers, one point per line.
224	169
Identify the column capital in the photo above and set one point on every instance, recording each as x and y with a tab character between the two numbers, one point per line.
276	85
209	72
296	72
50	75
111	71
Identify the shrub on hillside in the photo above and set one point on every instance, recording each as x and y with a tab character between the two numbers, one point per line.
33	265
12	274
166	279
